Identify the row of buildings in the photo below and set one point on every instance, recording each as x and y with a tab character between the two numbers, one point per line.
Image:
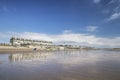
39	44
26	42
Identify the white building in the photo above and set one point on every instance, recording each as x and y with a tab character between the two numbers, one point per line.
28	42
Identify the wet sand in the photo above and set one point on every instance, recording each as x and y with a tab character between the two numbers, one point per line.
61	65
15	50
10	49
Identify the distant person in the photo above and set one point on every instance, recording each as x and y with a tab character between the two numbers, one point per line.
35	49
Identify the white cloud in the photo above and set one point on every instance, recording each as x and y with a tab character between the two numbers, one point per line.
114	9
73	38
114	16
67	31
115	2
96	1
91	28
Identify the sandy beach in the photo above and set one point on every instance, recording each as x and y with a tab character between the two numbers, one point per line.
11	49
61	65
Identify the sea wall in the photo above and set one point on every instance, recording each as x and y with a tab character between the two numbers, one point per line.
8	49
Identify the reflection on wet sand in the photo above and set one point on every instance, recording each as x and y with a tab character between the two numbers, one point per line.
28	56
61	65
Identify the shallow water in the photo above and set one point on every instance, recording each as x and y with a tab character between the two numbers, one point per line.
61	65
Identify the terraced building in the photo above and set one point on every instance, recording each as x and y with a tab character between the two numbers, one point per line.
28	42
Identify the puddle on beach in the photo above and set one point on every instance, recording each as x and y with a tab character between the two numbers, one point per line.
61	65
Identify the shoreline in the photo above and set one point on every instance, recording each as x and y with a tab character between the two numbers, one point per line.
25	50
22	50
11	49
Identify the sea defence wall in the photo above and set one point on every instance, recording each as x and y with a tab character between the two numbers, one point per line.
8	49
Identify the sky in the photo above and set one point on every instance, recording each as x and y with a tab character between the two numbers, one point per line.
82	22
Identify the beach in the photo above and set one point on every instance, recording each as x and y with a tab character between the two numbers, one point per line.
61	65
11	49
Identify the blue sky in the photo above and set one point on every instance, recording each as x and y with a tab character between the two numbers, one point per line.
45	18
